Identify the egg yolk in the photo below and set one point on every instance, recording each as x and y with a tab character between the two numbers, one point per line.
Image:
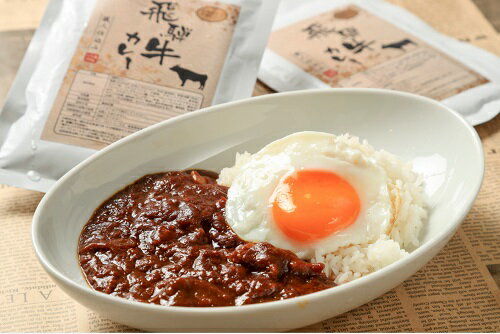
309	205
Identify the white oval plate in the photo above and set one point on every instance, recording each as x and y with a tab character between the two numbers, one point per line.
442	146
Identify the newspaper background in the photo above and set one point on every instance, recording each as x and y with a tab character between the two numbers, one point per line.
457	291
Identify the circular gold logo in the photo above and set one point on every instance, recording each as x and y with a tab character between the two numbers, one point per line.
346	13
211	14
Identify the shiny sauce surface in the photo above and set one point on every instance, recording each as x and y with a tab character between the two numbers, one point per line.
164	240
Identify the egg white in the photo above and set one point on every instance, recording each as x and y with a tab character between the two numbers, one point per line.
254	178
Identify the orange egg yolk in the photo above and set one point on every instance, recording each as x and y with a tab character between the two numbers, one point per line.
309	205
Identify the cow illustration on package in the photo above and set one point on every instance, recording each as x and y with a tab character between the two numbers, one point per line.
399	44
185	74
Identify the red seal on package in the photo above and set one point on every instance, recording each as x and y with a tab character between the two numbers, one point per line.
91	57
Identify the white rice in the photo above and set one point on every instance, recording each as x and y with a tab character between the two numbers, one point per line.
405	189
408	214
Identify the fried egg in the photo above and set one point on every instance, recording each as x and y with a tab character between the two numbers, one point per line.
310	193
